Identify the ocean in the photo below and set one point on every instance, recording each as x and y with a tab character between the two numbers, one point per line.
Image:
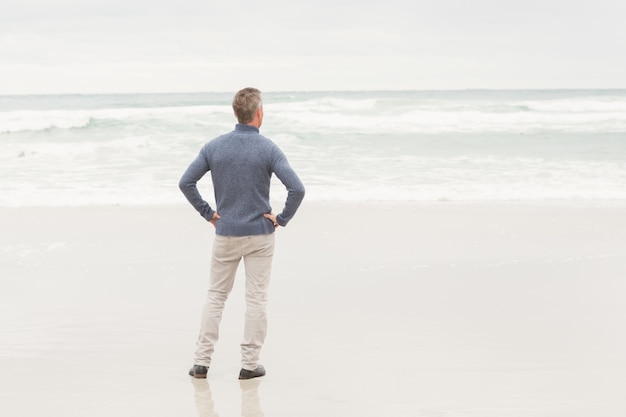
474	145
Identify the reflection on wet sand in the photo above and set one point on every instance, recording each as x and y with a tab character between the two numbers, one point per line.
250	401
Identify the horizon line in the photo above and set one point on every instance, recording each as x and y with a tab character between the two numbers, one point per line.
434	90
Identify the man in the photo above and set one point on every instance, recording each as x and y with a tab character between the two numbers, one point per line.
241	164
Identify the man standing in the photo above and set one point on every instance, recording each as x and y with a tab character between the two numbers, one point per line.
241	164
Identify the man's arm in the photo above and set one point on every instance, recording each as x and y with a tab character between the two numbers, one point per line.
187	185
295	188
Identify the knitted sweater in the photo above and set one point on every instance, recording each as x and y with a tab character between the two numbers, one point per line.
241	164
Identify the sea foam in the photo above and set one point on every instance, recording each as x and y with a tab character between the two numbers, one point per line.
418	146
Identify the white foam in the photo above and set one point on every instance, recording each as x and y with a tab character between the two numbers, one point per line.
345	147
368	114
37	120
16	121
464	121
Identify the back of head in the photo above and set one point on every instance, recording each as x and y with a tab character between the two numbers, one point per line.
245	104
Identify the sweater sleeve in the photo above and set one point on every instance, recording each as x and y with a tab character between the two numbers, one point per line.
295	188
187	185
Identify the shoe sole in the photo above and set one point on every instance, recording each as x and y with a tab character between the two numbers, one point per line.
251	377
203	376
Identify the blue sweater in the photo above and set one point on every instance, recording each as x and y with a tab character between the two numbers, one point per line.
241	164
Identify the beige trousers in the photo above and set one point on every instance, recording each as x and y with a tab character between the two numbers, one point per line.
257	252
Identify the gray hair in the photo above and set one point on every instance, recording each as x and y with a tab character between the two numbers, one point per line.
245	104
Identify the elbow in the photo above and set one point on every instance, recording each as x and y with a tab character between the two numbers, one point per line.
182	184
299	193
298	189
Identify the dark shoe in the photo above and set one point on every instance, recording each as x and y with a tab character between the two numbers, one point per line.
198	371
245	374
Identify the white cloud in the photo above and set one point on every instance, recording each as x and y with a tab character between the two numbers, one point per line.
192	45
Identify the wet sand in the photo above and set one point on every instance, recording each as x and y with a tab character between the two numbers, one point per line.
398	309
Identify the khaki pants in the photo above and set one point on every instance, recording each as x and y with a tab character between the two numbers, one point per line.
257	252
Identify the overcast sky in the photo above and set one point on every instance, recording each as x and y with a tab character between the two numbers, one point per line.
105	46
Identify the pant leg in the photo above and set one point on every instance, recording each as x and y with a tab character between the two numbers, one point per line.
224	262
258	265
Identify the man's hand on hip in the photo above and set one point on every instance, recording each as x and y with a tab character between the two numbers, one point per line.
214	218
272	218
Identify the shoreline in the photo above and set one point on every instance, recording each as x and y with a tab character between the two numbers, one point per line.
525	202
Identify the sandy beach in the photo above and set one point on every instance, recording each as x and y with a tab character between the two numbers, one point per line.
376	309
